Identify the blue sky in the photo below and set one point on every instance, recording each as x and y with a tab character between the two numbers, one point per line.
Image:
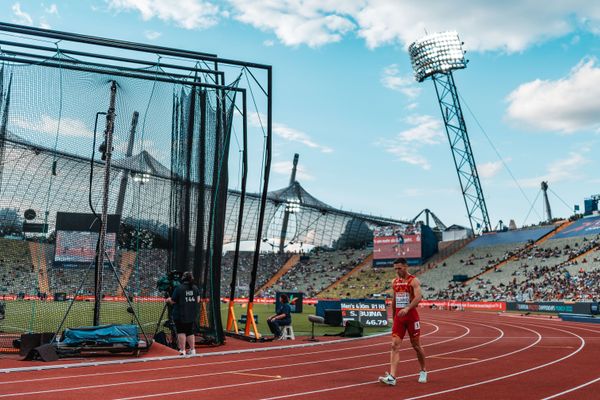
370	138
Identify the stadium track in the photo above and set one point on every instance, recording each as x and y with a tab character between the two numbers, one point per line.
470	355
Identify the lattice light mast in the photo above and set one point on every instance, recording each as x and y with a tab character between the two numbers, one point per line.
436	56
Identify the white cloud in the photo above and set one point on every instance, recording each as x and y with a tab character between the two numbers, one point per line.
289	134
188	14
565	105
285	168
68	126
44	23
20	16
407	144
489	169
309	22
426	130
510	25
52	9
152	35
391	79
560	170
269	43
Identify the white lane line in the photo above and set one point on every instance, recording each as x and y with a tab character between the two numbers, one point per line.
539	338
572	389
555	321
135	382
314	374
176	357
194	365
581	346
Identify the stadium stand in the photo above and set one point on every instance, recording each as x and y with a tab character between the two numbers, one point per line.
289	264
17	272
367	262
478	256
317	270
148	268
566	266
494	239
268	265
368	282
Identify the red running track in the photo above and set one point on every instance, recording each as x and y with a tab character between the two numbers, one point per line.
470	356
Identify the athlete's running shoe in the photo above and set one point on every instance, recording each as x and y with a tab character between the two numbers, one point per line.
423	377
191	352
388	379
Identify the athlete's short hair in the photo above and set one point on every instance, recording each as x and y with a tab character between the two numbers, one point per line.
400	260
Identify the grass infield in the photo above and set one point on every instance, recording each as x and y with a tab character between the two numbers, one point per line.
38	316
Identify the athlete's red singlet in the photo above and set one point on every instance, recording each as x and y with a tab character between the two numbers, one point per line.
403	295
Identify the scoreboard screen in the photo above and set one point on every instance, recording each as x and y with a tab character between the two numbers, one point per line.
367	312
391	242
77	236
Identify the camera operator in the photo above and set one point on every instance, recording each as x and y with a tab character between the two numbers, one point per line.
185	300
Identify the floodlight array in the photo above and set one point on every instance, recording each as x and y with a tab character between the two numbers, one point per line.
435	53
292	206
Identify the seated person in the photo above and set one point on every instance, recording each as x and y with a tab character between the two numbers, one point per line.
281	318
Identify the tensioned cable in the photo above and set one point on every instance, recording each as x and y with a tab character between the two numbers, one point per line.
497	152
30	38
558	197
264	154
531	208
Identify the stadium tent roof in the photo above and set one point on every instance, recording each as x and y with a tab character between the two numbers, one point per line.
144	162
28	170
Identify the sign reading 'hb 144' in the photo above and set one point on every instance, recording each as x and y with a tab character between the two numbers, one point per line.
367	312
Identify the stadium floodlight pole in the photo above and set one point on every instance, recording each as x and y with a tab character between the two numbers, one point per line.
436	56
107	154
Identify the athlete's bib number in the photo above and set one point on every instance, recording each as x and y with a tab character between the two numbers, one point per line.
417	325
402	299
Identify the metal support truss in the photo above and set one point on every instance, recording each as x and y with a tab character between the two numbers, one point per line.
461	151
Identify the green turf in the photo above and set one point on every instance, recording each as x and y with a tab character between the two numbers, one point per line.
37	316
299	321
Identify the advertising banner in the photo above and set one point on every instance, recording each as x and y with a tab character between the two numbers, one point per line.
551	307
465	305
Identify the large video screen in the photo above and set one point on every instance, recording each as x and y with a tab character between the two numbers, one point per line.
390	242
77	236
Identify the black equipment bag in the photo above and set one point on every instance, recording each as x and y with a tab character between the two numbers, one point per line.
353	329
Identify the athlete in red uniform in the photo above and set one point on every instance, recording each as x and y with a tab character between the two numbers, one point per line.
407	295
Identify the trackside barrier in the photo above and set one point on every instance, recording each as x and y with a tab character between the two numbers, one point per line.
155	299
552	307
589	319
465	305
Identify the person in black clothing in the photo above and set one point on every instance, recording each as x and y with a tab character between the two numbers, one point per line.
281	318
185	299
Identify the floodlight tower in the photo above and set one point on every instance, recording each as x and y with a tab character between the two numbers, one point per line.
435	56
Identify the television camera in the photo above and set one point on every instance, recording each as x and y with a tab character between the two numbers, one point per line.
167	285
